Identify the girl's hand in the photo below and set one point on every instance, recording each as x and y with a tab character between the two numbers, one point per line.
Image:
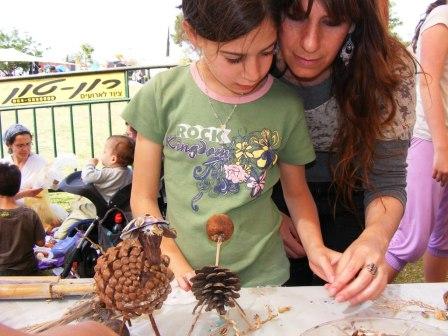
291	240
361	271
323	262
440	166
183	280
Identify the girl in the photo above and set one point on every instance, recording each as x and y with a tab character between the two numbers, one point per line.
424	227
357	83
227	131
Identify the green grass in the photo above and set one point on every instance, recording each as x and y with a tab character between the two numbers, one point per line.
100	123
63	132
411	273
63	199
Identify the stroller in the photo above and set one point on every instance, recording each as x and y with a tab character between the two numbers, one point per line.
98	234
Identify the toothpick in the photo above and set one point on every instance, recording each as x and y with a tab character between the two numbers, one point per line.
242	313
123	325
154	325
218	250
195	320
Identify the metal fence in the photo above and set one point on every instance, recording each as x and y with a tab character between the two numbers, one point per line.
65	126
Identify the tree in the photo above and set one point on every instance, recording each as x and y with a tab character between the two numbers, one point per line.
180	38
83	57
179	34
23	43
394	21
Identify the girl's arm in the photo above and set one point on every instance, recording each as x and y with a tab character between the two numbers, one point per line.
304	215
145	189
434	53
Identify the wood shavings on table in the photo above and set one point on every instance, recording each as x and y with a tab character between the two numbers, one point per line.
231	327
426	310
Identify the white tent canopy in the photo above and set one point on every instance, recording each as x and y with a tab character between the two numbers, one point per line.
14	55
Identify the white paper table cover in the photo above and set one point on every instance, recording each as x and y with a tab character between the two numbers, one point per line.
310	306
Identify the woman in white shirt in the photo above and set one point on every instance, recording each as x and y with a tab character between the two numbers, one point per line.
424	227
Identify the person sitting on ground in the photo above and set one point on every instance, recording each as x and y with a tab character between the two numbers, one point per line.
117	155
20	227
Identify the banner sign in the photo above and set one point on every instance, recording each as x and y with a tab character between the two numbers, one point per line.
69	89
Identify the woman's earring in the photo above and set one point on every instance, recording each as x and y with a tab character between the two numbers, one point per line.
347	50
348	47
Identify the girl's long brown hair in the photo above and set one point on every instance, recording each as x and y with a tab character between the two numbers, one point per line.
364	89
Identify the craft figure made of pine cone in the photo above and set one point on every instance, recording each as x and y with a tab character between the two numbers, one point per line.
133	277
216	287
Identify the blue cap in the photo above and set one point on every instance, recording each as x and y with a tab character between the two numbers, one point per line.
13	130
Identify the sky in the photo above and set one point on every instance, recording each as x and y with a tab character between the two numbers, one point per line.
136	29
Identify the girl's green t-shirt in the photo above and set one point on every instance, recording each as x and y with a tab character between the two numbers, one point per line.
210	170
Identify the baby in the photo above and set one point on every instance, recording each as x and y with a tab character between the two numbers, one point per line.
117	155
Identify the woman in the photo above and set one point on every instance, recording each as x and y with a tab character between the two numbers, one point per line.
357	85
18	139
424	228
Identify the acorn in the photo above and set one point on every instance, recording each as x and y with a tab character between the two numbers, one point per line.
219	228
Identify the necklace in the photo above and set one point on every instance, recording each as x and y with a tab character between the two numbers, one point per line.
222	124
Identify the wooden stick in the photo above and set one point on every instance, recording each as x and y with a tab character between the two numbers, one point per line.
242	313
46	290
123	325
218	250
27	279
80	310
154	325
195	320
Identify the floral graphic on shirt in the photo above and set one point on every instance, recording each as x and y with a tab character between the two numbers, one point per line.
250	157
256	184
235	173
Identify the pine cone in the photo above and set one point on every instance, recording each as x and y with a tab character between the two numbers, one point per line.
216	287
127	281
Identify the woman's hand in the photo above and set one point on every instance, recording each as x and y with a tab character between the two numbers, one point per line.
290	237
33	192
360	272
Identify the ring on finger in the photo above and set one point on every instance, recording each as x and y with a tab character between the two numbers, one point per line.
372	268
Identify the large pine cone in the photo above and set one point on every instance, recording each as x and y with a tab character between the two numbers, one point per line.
216	287
128	283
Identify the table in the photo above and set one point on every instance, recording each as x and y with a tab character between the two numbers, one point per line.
309	306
